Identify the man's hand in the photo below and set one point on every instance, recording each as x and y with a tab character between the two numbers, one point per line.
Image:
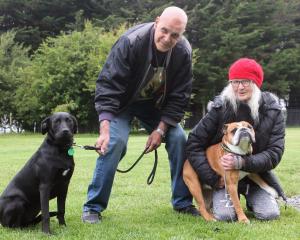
231	161
156	137
154	141
103	139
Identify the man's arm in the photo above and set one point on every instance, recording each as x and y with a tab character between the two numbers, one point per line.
112	82
104	135
110	86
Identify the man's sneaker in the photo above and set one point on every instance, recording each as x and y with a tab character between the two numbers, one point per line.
91	217
189	210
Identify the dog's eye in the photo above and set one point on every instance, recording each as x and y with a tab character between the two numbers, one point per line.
233	130
249	126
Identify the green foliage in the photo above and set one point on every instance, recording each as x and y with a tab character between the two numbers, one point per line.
62	72
223	31
37	20
62	75
13	58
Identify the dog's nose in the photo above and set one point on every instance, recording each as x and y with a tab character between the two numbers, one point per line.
244	129
66	131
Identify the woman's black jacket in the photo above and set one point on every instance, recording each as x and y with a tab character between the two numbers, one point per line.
269	135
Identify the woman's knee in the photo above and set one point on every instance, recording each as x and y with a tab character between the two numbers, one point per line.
267	213
223	209
225	214
263	205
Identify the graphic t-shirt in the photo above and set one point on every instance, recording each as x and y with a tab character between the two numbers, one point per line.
155	86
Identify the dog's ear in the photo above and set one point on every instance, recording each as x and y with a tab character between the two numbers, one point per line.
45	125
75	127
224	130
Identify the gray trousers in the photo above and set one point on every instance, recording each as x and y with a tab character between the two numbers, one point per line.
261	203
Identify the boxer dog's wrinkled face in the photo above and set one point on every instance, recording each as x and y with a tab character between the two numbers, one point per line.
239	136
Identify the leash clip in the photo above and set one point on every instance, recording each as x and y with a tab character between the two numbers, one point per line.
86	147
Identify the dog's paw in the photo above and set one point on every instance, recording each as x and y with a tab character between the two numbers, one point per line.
244	220
62	223
47	231
209	217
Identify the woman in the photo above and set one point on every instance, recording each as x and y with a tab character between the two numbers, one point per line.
242	100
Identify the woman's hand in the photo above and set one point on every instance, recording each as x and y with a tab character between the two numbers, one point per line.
231	161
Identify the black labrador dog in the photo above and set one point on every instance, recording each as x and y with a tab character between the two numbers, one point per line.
45	176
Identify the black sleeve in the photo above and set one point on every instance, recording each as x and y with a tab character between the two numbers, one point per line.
198	141
113	79
271	156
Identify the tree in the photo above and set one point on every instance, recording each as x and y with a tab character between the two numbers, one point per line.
34	20
223	31
62	76
13	58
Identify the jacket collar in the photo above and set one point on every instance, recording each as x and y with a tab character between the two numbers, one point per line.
270	101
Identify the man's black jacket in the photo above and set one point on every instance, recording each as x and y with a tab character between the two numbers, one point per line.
123	74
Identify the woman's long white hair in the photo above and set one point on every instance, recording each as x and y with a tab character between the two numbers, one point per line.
228	96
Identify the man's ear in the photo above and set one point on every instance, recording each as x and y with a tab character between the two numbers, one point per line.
224	130
156	22
45	125
75	127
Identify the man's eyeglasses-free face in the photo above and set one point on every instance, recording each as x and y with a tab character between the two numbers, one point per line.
244	82
174	35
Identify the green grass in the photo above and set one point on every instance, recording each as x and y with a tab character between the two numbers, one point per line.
139	211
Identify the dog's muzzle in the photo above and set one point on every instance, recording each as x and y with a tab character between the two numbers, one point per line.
244	135
64	136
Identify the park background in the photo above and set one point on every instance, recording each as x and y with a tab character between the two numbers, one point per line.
51	52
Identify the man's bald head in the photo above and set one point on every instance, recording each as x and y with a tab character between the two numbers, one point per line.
176	13
169	27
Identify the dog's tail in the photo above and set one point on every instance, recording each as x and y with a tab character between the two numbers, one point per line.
39	218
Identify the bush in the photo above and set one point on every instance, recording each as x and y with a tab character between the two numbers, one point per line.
63	73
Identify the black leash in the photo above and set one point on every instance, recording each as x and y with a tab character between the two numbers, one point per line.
152	173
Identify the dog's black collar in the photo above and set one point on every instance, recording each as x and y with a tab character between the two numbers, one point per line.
67	148
227	149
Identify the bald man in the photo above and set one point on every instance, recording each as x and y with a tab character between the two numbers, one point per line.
147	75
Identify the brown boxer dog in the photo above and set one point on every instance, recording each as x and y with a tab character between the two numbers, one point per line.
237	139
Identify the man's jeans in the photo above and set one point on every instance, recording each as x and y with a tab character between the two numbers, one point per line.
100	188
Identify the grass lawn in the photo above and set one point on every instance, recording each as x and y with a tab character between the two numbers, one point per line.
139	211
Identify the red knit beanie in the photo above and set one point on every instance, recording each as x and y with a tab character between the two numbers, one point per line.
246	68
